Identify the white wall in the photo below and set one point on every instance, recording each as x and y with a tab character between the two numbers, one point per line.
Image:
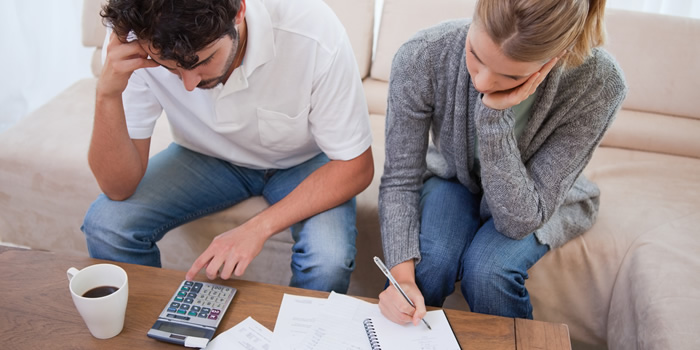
690	8
41	53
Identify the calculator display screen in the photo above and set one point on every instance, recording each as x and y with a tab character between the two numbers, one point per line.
181	329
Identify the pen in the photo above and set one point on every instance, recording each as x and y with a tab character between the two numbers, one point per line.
388	275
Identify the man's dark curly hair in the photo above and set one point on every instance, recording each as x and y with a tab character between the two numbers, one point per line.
176	29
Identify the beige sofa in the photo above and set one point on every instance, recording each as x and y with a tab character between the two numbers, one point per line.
631	282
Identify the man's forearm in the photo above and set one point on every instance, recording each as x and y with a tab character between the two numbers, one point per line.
334	183
116	161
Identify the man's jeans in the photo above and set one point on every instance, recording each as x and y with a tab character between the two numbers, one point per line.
456	246
181	185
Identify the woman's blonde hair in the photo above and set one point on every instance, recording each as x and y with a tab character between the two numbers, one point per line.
538	30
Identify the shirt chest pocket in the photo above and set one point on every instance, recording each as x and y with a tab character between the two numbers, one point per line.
279	131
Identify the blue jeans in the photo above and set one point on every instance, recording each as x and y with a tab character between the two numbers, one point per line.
181	185
456	246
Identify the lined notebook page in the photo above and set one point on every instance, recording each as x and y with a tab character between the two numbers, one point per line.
387	335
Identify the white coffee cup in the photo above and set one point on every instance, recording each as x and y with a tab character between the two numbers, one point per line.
104	315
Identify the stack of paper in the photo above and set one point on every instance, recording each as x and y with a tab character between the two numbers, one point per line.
337	323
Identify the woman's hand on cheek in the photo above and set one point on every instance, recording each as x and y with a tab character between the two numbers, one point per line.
509	98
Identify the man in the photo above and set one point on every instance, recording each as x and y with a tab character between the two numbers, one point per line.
263	98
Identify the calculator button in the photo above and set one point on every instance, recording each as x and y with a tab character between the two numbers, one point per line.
189	283
181	294
172	309
174	304
185	306
213	317
185	289
215	311
191	295
192	313
189	300
203	315
179	317
182	311
196	308
178	299
197	287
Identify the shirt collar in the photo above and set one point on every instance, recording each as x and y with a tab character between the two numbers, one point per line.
260	47
261	42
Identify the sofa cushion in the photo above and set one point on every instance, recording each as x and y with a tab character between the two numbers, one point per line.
659	55
660	112
358	19
401	19
376	92
656	301
641	194
653	132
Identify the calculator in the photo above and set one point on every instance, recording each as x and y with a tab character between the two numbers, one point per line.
193	313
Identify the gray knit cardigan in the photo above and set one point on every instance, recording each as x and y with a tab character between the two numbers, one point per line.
533	184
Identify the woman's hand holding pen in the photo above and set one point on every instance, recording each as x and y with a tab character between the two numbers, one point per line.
394	306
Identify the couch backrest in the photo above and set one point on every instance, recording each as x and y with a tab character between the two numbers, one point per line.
93	32
659	56
400	20
357	16
403	18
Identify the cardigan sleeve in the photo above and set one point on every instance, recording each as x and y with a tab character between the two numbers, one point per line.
410	107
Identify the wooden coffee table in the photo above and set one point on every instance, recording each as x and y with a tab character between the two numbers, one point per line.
36	309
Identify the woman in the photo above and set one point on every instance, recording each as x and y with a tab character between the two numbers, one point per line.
489	126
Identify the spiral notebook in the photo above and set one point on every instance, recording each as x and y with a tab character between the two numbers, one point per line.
386	335
342	322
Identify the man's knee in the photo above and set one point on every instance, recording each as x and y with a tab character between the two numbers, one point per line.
100	216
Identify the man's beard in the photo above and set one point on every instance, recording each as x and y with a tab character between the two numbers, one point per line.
213	82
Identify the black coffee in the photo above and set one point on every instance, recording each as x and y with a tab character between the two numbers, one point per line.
101	291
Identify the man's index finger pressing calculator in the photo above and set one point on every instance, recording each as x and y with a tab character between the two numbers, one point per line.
193	313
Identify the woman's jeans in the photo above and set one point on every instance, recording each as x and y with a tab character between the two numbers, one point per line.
181	185
456	246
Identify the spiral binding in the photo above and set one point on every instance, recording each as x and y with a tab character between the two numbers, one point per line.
371	334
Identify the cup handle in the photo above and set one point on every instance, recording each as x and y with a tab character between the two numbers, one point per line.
72	272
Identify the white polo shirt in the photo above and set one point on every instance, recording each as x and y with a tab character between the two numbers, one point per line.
297	93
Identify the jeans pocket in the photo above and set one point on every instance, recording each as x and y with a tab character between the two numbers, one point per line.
279	131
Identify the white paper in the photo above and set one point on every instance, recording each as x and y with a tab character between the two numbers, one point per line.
296	319
339	325
196	342
249	334
394	336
